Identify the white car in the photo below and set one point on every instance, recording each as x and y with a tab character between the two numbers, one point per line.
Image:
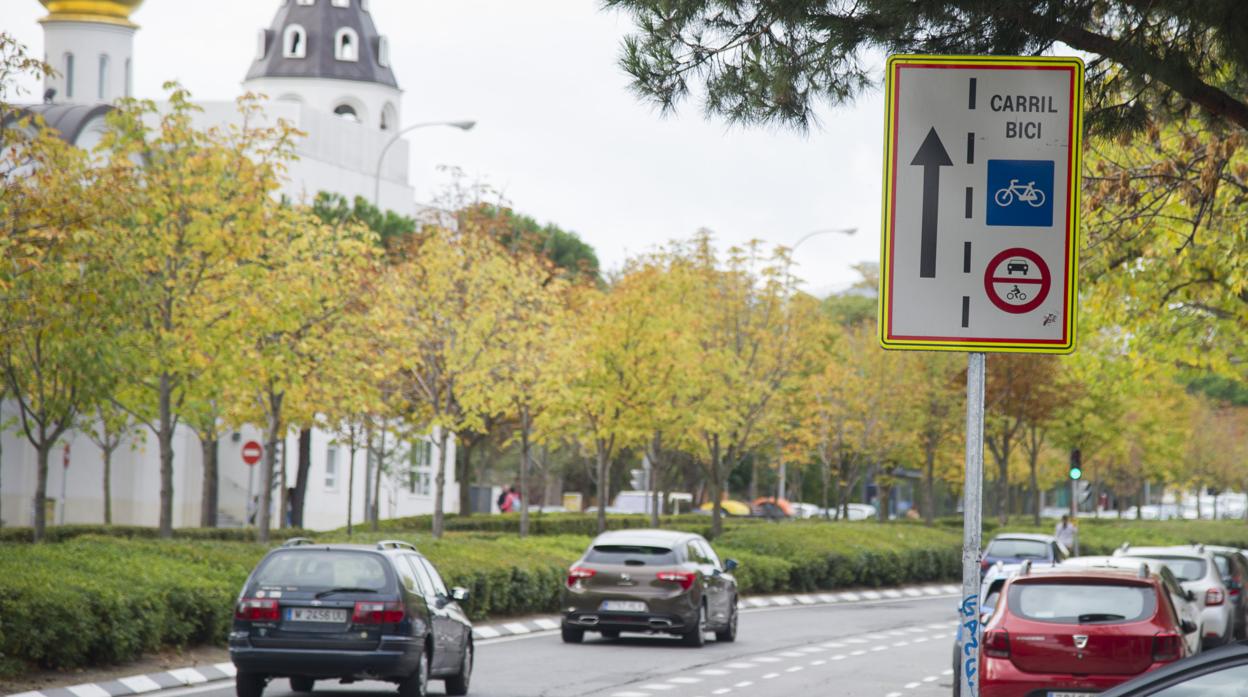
1197	572
1185	603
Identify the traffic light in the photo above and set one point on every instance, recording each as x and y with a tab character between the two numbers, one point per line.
1076	465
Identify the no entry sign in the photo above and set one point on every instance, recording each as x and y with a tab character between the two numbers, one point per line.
252	452
981	203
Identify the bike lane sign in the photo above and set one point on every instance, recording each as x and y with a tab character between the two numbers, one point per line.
981	203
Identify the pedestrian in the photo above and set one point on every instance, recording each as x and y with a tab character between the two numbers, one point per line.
502	499
1065	533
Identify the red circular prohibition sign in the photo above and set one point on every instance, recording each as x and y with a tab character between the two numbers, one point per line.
1044	282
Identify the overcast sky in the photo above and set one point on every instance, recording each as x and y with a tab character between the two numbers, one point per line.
558	130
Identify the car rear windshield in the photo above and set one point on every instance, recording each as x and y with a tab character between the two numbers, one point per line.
1184	568
632	555
323	569
1075	603
1019	549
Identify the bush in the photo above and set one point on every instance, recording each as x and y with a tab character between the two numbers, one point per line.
62	533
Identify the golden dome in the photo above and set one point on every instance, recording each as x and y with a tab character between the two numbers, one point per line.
104	11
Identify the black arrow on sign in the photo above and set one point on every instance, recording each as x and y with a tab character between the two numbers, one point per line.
931	157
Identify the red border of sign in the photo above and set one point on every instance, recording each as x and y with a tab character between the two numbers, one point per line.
972	64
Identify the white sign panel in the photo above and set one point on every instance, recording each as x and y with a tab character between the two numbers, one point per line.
981	203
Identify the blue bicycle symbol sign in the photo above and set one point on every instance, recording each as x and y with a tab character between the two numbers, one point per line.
1029	194
1022	193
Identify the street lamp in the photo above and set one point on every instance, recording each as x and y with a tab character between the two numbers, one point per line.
781	489
381	158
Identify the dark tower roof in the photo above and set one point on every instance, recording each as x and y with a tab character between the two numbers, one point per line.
321	21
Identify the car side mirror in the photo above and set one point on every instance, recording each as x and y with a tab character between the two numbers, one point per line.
730	565
1191	596
1188	626
460	595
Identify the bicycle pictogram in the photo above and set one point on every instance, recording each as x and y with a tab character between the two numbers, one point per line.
1029	193
1016	293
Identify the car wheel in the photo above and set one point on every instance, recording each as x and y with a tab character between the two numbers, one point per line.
458	684
416	684
572	635
249	684
697	636
729	633
302	684
610	634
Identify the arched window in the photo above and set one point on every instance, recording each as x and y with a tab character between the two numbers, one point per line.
307	2
294	42
383	52
346	45
69	76
262	44
346	111
389	117
102	88
341	3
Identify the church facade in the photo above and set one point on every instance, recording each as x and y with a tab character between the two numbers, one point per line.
324	68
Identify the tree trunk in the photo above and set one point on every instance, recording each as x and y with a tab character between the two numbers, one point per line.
374	515
165	437
439	485
752	490
463	473
368	470
929	485
1035	486
350	484
655	456
304	467
41	490
825	480
604	484
208	502
108	486
717	516
273	431
524	471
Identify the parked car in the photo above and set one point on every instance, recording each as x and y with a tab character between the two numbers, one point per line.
1198	572
1066	630
856	511
1017	547
652	581
1222	672
313	612
1233	567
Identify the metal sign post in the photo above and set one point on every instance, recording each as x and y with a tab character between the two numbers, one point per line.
969	631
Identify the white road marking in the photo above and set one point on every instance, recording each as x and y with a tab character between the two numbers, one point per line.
837	657
712	671
936	625
912	592
546	624
227	668
855	640
740	666
851	597
769	676
811	649
879	648
911	685
900	644
657	686
918	640
793	669
859	652
630	694
896	632
757	602
890	593
486	632
767	659
893	694
721	691
818	662
871	595
791	654
947	671
142	683
88	690
833	645
32	693
930	590
516	628
684	681
804	599
188	676
782	600
744	683
827	598
931	678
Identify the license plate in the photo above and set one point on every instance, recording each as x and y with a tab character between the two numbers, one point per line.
1071	694
623	606
315	614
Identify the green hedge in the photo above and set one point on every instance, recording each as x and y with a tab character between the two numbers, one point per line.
61	533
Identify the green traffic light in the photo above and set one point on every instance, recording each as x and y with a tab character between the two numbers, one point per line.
1076	473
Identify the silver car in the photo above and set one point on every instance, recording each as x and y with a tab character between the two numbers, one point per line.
1197	571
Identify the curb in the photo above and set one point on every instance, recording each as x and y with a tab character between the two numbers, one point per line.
184	677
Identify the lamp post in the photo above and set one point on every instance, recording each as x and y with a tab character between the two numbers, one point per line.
381	158
783	473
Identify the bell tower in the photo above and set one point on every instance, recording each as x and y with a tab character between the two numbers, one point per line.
90	44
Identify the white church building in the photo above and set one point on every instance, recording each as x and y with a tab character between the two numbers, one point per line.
326	70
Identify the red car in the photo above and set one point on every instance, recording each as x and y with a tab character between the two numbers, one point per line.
1069	632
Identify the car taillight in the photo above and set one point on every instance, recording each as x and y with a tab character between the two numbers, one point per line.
579	573
997	644
256	610
684	578
371	612
1167	647
1214	596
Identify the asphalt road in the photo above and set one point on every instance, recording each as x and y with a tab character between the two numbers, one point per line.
889	648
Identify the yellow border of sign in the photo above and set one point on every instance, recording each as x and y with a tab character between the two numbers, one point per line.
1076	170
